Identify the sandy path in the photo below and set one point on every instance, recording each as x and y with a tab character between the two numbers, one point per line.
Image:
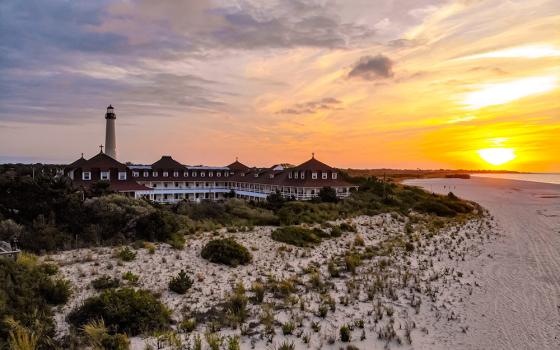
518	304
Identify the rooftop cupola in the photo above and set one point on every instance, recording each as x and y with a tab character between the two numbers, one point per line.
110	113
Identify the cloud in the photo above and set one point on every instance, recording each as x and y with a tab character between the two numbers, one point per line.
372	67
310	107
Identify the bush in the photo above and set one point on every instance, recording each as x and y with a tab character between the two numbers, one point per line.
288	328
57	291
226	251
159	226
188	325
124	311
345	333
126	254
180	283
130	277
298	236
105	282
328	195
49	269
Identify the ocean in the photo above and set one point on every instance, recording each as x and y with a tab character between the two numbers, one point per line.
550	178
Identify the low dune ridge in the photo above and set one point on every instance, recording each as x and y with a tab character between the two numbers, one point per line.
518	304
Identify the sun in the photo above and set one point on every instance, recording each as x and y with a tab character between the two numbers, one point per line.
497	156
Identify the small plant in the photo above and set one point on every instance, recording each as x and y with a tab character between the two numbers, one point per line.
188	325
130	277
333	269
236	305
180	283
288	328
345	334
233	343
258	289
286	346
57	291
105	282
214	341
150	247
352	261
49	269
359	241
226	251
323	310
315	326
126	254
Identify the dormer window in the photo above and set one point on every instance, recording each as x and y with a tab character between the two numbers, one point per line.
135	174
165	174
302	175
324	176
202	174
314	175
256	175
290	175
296	174
86	175
242	174
334	175
210	173
105	175
194	173
122	175
186	174
154	173
226	174
218	174
146	173
175	174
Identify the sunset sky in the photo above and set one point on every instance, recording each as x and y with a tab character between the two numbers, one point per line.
362	83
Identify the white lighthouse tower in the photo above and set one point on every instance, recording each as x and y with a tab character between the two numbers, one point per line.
110	138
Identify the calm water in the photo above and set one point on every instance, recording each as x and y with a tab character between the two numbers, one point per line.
535	177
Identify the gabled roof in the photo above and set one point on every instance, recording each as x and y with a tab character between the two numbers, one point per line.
77	163
166	162
237	165
313	164
103	161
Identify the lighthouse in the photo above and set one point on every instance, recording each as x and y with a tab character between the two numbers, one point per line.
110	138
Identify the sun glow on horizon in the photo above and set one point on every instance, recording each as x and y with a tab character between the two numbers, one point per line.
496	94
497	155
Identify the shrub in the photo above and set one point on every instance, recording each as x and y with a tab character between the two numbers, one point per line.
298	236
286	345
346	227
288	328
124	311
105	282
188	325
180	283
226	251
130	277
126	254
159	226
57	291
99	338
258	289
345	333
328	195
352	261
49	269
236	305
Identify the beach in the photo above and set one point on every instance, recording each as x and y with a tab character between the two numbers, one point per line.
518	303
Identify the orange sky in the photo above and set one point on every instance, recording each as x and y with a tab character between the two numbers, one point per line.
428	84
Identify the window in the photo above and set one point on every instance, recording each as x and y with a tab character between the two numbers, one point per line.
202	174
105	175
122	175
218	174
290	175
302	175
314	175
86	175
146	174
135	174
154	174
324	176
296	174
194	173
334	176
175	174
210	173
186	174
165	174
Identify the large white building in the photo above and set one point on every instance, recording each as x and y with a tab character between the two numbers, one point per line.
168	181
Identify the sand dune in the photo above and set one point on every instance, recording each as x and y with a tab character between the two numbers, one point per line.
518	304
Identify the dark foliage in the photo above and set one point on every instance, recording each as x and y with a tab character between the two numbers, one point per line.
124	311
55	292
328	195
227	252
298	236
105	282
180	283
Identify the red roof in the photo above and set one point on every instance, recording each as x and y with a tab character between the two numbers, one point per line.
103	161
166	162
313	164
237	165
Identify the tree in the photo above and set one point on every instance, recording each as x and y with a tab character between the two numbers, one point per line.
328	195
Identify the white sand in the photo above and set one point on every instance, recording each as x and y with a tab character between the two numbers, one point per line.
518	304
